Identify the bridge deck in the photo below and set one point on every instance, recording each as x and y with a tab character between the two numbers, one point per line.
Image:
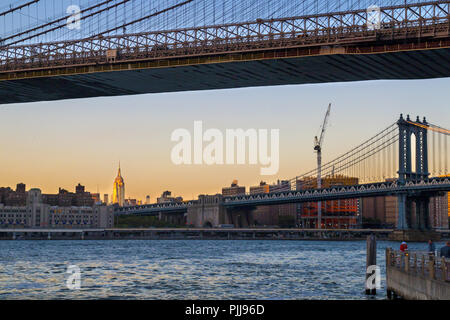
412	42
294	66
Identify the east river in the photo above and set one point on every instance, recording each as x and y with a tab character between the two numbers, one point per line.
188	269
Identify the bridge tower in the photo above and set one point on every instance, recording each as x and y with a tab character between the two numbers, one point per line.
408	217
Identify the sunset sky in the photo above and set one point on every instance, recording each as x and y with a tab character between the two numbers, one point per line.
63	143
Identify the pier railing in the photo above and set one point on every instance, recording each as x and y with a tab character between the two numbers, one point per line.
419	263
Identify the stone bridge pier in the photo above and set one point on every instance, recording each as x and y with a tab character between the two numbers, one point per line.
211	212
241	217
207	212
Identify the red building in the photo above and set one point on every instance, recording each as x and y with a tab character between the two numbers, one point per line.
336	214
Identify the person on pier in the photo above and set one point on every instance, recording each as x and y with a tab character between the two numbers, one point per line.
431	247
403	247
445	251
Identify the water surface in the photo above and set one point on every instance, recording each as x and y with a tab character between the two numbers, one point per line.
188	269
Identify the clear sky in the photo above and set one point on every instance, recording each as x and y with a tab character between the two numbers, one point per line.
63	143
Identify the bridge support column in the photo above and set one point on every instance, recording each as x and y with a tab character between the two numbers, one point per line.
401	219
240	217
422	213
407	217
407	128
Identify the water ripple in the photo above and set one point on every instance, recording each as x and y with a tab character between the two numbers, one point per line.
180	269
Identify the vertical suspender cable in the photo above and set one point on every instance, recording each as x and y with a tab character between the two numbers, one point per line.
439	153
434	153
446	155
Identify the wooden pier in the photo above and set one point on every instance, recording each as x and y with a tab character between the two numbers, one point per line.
417	276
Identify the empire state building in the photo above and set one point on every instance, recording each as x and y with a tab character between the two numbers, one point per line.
119	190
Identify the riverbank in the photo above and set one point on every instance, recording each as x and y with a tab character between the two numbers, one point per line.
198	234
191	233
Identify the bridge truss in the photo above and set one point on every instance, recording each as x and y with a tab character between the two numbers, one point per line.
407	21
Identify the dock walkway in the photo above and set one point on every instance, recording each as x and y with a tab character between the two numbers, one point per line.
417	276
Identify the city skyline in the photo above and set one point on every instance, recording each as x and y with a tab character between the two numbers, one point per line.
82	140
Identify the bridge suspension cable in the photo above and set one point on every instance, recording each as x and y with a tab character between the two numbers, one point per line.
373	160
376	160
164	27
438	150
194	13
11	10
144	18
62	25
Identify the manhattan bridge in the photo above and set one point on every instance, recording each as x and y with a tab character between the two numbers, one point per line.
54	50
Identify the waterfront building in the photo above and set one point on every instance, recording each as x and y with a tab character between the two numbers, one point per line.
18	197
37	214
233	190
118	196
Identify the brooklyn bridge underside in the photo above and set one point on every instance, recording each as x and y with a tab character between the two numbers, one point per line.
234	70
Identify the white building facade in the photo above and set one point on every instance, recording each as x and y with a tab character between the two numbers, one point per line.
39	215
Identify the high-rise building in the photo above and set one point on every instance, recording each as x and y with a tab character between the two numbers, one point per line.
118	196
233	190
96	197
79	189
130	202
147	199
336	214
166	197
106	198
20	188
262	188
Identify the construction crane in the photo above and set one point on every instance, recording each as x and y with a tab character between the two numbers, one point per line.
318	148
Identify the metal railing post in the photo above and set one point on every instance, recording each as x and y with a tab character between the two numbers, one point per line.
432	268
406	262
423	265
